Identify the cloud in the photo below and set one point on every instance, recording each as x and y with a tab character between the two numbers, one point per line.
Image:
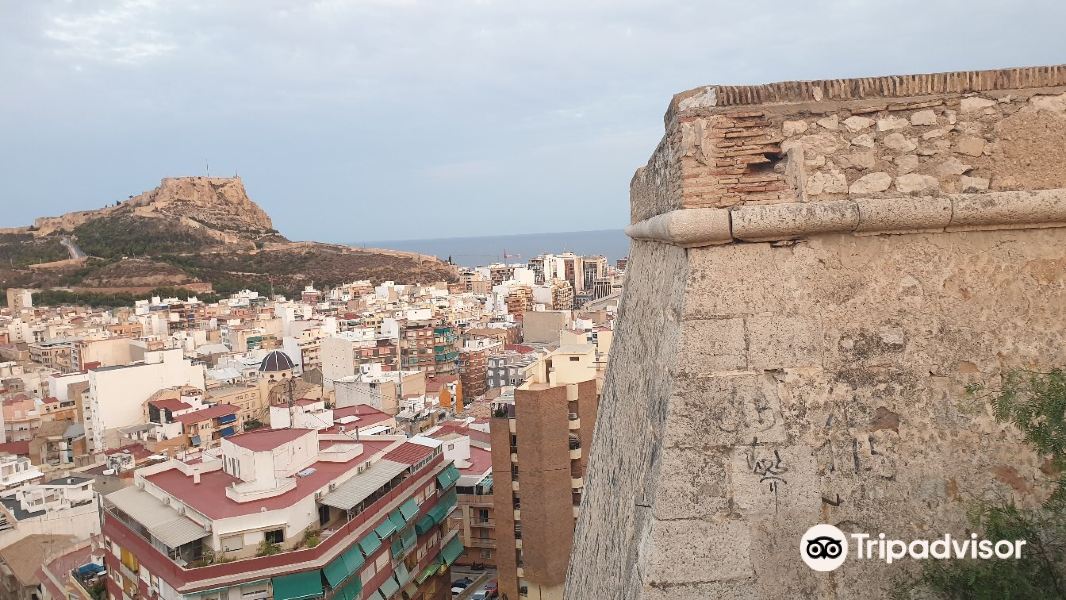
120	34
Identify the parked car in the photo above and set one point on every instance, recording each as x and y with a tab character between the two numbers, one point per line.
493	589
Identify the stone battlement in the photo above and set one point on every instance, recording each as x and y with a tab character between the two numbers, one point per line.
818	271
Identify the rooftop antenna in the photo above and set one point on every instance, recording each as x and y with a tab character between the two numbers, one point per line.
207	167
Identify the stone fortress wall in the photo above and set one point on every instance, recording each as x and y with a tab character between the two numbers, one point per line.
818	271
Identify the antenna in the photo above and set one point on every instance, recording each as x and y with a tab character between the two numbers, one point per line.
207	167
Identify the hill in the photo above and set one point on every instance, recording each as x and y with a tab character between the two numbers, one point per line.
197	233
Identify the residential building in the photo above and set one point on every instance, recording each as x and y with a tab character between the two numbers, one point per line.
117	394
508	368
53	355
538	455
286	514
16	471
64	505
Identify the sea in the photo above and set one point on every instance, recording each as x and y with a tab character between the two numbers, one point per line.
518	248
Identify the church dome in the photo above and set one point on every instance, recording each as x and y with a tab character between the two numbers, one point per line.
276	361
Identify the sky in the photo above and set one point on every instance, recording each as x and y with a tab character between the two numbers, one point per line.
367	120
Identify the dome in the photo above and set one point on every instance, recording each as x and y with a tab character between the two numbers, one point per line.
276	361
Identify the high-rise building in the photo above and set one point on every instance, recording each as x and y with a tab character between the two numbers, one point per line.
538	469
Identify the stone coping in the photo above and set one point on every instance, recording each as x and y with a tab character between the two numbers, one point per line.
694	227
860	88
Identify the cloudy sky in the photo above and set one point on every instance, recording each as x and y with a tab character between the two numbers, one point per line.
360	120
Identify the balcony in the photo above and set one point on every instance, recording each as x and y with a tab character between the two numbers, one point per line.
484	524
514	485
514	457
517	515
575	454
577	482
481	542
574	422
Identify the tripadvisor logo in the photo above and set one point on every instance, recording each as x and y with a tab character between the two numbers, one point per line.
824	548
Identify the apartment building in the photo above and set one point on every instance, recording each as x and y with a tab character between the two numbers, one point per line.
53	355
286	514
508	368
469	449
117	394
538	448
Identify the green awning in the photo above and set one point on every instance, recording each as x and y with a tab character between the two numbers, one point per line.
386	529
350	591
452	551
370	544
397	547
344	566
424	524
397	519
298	586
439	512
409	509
410	538
402	574
428	571
448	476
389	588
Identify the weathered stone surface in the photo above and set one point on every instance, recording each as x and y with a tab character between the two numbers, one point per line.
856	123
865	140
874	182
906	163
794	127
923	117
912	183
822	182
681	551
899	142
970	145
715	345
973	184
863	160
891	123
832	122
952	166
975	104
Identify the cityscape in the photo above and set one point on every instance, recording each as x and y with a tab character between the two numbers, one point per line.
476	300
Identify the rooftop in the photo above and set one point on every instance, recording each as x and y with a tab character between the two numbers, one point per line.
212	412
409	453
25	556
209	496
266	439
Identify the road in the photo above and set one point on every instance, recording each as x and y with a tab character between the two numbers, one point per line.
480	579
72	248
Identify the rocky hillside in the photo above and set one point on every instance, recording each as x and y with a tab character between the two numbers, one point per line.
189	231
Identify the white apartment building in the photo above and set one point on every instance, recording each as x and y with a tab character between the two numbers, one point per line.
117	394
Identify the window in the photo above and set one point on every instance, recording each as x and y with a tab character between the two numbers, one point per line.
368	574
275	536
382	561
575	358
235	542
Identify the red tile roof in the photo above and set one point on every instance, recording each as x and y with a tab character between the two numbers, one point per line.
212	412
266	439
409	453
480	462
171	404
519	348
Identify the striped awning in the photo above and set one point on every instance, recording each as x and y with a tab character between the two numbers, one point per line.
162	522
448	476
360	487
